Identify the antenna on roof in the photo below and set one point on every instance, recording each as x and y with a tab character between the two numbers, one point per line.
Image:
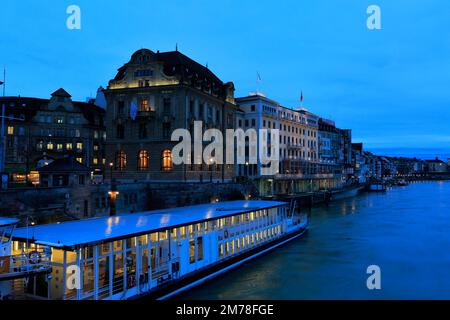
207	65
176	46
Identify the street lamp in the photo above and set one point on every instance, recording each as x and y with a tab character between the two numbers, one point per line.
3	179
113	193
211	161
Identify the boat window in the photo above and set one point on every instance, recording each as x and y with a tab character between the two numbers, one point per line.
103	277
163	235
131	242
88	277
183	232
117	245
118	273
200	248
143	240
173	234
87	252
191	251
154	237
104	248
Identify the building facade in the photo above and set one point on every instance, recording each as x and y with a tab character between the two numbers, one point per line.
300	169
41	130
151	96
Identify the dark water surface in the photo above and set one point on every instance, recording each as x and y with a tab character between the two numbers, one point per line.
405	231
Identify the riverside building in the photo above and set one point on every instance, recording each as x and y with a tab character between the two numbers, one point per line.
152	95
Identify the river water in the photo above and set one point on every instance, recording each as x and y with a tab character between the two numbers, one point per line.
405	231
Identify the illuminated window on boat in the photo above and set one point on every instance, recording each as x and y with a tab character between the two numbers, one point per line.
104	248
88	277
143	240
199	248
232	246
154	237
199	228
191	230
173	234
191	251
163	235
103	277
118	272
131	242
221	251
145	260
183	232
10	130
117	245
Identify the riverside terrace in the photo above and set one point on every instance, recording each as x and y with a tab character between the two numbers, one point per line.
156	252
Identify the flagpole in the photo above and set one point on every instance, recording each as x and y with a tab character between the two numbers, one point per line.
2	133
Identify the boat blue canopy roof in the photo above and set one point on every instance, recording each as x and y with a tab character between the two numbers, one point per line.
95	230
7	221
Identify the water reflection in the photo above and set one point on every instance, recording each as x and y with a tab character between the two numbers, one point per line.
405	231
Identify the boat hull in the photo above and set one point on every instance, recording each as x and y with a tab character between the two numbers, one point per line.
177	287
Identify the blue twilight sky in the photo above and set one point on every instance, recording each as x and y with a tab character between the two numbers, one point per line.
390	86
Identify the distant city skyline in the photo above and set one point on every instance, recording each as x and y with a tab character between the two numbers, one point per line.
388	86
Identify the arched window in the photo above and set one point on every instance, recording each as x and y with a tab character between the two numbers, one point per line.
167	160
121	160
143	160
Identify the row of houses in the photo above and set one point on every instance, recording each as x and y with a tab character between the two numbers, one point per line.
367	165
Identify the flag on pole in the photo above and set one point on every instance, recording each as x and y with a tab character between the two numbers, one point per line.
133	110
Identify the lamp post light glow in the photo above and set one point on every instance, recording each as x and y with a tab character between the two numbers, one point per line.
113	193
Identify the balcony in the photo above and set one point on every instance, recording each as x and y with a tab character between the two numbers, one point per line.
146	114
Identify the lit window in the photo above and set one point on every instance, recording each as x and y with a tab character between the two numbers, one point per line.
143	160
80	160
69	146
79	146
167	160
49	146
144	106
40	145
121	160
95	161
59	146
10	130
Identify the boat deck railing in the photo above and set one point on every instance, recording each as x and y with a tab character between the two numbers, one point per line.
24	264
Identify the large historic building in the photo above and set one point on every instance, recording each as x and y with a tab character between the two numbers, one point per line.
300	168
151	96
41	130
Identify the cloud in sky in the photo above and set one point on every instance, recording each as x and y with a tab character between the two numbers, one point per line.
389	85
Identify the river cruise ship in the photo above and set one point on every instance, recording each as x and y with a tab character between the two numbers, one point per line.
156	253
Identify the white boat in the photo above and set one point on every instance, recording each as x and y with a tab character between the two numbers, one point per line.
346	192
377	187
157	253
